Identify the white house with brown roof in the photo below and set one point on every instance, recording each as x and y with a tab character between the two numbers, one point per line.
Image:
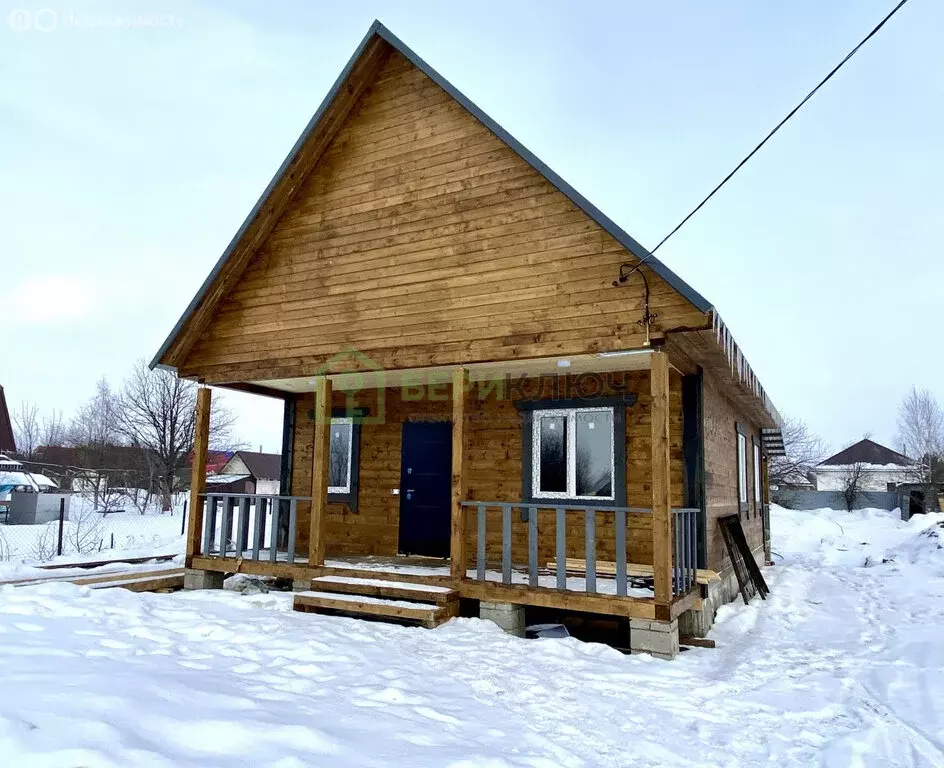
882	468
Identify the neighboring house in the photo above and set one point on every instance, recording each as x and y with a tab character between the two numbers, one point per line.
471	370
7	440
882	469
263	469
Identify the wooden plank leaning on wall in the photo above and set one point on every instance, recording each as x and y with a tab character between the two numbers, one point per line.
201	442
661	491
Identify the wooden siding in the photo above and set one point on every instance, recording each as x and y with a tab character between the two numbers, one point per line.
421	239
721	484
493	472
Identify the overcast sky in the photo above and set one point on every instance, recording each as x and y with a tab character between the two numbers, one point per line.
134	139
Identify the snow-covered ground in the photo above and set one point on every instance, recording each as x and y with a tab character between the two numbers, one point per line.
842	666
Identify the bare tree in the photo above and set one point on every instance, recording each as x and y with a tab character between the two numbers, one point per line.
26	427
158	416
804	451
852	483
921	437
53	429
94	430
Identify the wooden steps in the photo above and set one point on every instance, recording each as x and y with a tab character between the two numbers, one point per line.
428	605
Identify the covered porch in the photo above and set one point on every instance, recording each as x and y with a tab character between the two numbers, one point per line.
609	555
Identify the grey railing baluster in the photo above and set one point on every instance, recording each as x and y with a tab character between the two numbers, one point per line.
208	523
292	525
258	527
679	544
620	536
242	527
480	545
224	525
590	546
693	547
274	529
533	546
560	532
506	543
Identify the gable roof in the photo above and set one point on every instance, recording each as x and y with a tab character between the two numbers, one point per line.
7	441
867	452
317	135
262	466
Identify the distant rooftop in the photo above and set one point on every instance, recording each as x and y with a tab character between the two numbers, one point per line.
867	452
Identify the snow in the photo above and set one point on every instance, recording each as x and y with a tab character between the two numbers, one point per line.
842	666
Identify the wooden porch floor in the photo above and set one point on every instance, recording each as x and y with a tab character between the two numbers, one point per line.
639	602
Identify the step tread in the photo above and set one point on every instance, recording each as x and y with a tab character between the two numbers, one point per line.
428	613
386	589
368	582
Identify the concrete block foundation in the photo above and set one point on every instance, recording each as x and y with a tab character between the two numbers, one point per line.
508	616
658	638
194	579
301	585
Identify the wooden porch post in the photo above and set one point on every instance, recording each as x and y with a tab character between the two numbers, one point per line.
319	472
201	441
457	538
661	491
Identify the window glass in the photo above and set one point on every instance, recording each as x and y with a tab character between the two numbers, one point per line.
339	469
553	453
742	468
572	453
594	459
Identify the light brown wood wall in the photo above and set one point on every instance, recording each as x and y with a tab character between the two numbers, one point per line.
493	467
721	490
422	239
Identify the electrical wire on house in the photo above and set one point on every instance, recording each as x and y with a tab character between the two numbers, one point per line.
626	270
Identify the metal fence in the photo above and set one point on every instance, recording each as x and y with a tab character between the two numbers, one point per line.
79	529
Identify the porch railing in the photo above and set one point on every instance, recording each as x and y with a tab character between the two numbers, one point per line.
250	526
685	523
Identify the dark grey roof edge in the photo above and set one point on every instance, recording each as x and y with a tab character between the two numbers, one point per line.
634	247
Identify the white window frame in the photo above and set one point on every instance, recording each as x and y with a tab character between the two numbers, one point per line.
570	419
742	467
342	489
757	498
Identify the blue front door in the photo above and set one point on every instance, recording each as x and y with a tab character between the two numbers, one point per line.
425	488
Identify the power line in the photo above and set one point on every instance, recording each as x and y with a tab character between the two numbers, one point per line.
779	125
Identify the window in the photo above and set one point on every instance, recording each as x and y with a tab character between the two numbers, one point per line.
339	461
573	454
742	468
757	497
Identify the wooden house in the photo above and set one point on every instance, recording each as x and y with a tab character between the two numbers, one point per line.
477	365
